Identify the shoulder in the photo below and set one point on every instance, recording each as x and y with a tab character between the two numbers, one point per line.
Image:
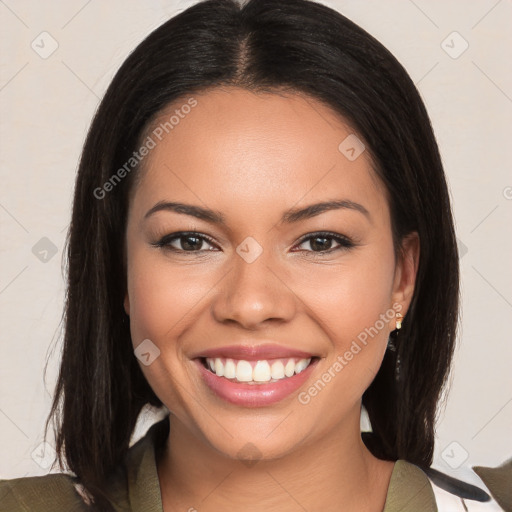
59	492
132	485
54	492
414	489
409	490
454	495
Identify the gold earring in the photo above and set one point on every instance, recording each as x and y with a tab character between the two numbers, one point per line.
399	318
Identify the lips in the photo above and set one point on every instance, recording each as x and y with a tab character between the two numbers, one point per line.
254	394
244	394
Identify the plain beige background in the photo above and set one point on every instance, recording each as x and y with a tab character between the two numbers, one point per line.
47	101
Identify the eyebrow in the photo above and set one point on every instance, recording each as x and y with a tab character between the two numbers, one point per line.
288	217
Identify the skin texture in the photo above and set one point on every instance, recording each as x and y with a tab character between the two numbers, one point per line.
251	157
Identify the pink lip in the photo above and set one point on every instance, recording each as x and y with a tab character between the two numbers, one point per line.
253	395
253	353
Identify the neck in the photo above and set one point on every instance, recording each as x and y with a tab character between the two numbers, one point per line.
193	475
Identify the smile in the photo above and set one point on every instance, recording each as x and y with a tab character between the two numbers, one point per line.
256	383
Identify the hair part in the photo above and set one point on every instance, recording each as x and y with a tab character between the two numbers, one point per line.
295	46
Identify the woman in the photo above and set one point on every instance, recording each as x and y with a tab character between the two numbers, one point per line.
261	243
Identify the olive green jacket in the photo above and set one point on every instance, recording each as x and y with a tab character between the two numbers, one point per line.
136	487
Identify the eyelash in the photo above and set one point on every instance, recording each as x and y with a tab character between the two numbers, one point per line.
164	242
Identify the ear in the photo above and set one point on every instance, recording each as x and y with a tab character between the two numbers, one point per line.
405	271
127	304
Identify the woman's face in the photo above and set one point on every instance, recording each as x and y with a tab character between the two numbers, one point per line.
255	280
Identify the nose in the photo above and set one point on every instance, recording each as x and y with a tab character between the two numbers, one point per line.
254	294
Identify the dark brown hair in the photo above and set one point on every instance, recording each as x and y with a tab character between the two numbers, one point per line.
264	45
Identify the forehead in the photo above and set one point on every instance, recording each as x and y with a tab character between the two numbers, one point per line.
236	149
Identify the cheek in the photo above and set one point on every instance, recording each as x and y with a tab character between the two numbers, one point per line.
162	300
359	315
352	305
162	295
351	296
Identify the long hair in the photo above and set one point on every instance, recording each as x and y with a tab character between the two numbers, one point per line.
262	45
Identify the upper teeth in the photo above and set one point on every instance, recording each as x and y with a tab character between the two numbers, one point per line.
256	371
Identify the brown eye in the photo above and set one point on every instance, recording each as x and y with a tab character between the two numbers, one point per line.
322	242
184	242
190	243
